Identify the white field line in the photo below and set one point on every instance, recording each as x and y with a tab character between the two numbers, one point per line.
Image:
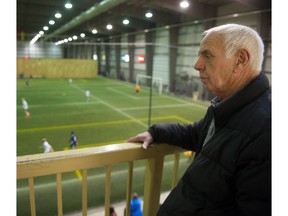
159	96
98	176
114	108
130	96
122	93
61	104
156	107
186	102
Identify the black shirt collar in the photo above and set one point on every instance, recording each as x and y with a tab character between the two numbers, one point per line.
224	109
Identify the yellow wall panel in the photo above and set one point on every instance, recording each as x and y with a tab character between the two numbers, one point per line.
57	68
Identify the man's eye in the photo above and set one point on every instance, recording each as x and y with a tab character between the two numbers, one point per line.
208	57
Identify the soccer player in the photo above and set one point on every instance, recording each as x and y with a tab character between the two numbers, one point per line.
87	95
25	107
137	89
73	140
47	147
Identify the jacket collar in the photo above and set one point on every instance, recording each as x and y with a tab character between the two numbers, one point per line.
223	110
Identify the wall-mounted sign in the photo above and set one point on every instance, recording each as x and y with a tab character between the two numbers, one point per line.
140	58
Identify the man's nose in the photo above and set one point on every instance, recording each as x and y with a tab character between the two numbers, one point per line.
199	65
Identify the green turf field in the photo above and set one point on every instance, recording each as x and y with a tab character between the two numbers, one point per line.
113	114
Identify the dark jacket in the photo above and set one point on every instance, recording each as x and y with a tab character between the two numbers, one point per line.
231	174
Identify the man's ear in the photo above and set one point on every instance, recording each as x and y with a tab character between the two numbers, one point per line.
243	59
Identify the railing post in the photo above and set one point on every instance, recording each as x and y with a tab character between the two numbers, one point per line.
129	187
32	196
107	190
152	187
59	194
175	170
84	192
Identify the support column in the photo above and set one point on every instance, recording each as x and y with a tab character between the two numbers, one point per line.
149	52
131	52
173	48
107	58
117	56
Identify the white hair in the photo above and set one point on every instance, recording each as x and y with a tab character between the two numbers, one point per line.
237	37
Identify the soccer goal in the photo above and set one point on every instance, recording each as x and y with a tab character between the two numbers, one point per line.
157	82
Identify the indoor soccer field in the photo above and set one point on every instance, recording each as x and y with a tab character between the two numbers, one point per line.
113	113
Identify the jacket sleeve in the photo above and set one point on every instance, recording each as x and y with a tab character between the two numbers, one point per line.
253	178
185	136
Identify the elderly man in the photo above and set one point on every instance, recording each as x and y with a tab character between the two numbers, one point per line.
231	172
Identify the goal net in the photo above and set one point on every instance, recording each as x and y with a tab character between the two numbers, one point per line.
145	80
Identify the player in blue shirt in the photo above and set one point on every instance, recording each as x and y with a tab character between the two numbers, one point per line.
73	140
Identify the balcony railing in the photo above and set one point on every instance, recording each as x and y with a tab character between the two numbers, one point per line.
31	166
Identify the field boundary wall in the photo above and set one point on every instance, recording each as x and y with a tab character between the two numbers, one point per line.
57	68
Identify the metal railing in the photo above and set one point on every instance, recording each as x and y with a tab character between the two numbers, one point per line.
31	166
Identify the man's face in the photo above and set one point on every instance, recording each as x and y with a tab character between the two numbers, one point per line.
216	71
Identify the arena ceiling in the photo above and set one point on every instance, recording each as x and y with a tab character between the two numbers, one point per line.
85	15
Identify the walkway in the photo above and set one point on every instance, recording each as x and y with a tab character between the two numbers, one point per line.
119	208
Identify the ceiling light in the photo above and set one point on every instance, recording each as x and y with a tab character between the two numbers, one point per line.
94	31
109	26
51	22
46	28
184	4
69	39
65	40
68	5
58	15
35	39
41	32
74	37
82	35
125	21
148	14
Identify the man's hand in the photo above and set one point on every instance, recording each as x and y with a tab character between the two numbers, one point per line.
145	137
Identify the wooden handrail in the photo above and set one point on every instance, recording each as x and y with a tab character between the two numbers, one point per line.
30	166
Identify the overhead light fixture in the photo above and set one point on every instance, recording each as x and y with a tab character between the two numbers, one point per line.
58	15
82	35
109	26
35	39
46	28
94	31
65	40
68	5
74	37
41	32
125	21
184	4
51	22
149	14
70	39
